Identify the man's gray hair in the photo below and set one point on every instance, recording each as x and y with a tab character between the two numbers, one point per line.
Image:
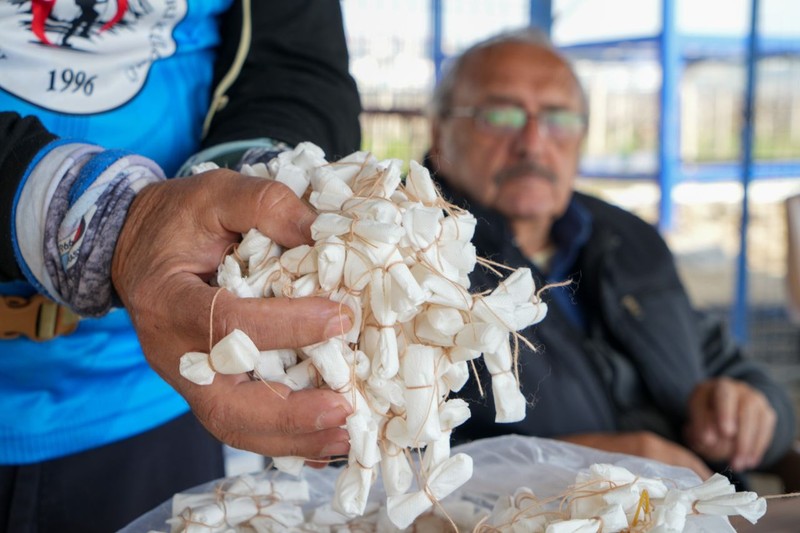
442	99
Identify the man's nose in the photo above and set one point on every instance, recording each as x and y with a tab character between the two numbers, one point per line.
529	140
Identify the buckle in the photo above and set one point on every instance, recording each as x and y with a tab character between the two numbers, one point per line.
37	317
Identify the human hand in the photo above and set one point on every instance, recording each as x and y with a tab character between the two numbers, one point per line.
174	237
644	444
730	421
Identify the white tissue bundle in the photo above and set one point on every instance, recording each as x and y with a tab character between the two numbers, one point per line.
609	499
258	504
399	257
604	499
246	503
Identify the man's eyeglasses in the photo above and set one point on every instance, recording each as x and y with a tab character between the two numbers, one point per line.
509	119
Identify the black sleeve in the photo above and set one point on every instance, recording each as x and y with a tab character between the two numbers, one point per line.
679	332
20	141
295	85
723	357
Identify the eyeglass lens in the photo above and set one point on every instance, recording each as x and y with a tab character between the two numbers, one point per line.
557	123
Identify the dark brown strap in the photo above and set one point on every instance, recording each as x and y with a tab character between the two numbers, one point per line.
37	317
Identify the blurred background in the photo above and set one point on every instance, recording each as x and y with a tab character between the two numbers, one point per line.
671	84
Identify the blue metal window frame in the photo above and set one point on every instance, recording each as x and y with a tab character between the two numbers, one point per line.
674	51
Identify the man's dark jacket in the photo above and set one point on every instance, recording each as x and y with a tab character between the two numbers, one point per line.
640	353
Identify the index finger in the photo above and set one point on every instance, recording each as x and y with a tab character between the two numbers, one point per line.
271	323
274	323
267	205
701	429
726	406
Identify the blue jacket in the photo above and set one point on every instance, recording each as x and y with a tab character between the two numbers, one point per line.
141	80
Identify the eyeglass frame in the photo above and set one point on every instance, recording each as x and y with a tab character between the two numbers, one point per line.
473	112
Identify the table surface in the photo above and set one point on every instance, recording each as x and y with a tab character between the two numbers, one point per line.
783	516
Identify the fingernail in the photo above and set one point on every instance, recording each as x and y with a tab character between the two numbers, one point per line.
340	323
332	418
335	448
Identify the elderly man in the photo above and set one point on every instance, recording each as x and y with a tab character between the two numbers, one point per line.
625	365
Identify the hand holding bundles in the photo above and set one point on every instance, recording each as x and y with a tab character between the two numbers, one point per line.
398	256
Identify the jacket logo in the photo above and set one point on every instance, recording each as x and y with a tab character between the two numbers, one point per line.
84	23
83	56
